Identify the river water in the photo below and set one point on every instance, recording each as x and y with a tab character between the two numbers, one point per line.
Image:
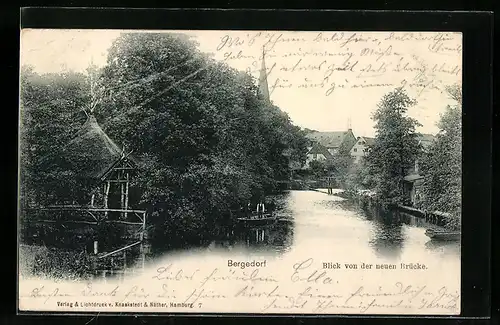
369	246
328	227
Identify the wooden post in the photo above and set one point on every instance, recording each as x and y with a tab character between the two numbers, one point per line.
106	193
126	195
124	260
143	226
92	200
122	197
96	247
143	255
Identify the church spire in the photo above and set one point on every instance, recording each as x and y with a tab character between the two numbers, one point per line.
263	86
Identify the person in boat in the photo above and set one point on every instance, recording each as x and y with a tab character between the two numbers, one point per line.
261	209
248	210
271	206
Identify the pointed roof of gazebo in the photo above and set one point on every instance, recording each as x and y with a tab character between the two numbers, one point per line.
91	153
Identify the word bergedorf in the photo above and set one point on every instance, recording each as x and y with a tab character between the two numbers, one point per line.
242	265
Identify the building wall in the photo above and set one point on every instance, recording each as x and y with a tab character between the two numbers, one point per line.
413	191
313	157
358	151
414	169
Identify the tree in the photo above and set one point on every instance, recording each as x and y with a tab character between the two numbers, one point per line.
205	143
342	162
442	166
359	177
318	168
204	140
51	113
395	147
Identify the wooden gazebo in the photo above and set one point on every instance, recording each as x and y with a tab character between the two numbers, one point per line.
110	172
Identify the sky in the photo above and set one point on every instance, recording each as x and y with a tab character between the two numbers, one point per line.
324	80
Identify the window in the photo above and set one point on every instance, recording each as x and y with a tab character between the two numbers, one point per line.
355	149
315	156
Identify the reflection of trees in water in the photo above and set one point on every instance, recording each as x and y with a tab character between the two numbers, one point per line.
226	235
278	237
445	247
387	238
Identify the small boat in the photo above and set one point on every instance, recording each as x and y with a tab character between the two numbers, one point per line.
443	234
255	220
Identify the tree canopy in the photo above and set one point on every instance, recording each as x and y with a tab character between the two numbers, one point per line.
395	147
442	166
52	112
203	139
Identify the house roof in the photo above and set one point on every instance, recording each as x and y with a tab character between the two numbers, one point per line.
91	152
425	139
319	149
328	139
369	141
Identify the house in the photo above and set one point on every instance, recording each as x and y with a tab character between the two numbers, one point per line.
333	141
317	153
412	183
414	178
425	140
360	148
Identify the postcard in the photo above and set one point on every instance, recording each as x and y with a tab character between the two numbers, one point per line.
238	171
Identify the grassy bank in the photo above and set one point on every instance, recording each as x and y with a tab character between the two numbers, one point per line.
45	262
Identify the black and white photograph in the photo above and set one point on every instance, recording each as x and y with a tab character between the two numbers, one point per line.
240	171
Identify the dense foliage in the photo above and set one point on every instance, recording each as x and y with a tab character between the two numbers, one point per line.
359	177
395	147
205	143
50	116
442	166
343	163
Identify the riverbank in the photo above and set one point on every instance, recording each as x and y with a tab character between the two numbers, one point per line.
439	219
69	264
336	191
51	262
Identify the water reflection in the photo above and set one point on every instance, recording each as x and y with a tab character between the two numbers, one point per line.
387	240
309	220
277	238
391	231
443	247
318	218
